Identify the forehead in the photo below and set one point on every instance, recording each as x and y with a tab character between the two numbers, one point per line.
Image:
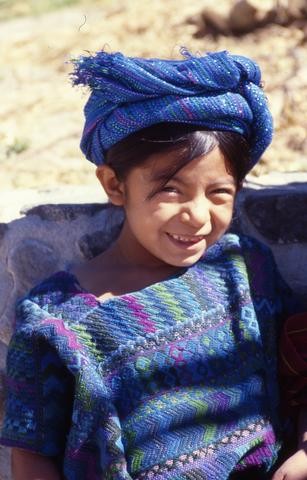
210	167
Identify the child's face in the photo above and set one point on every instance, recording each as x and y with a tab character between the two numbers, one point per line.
181	220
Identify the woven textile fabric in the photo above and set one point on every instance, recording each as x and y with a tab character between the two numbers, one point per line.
217	91
176	381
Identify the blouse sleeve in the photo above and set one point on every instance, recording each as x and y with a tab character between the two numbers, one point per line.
293	360
39	391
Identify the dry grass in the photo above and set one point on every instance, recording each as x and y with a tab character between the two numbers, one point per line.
16	8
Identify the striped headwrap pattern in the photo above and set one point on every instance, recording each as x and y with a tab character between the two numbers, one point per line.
217	91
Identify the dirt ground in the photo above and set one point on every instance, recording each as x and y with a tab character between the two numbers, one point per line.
41	114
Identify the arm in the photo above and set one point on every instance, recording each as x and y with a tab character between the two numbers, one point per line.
32	466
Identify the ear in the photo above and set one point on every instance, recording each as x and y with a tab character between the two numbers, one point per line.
112	186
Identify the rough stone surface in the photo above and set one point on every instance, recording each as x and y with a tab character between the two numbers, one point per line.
32	260
3	352
6	287
64	212
5	464
279	218
52	236
3	229
94	244
2	394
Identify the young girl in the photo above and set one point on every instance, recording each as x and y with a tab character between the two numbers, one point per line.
157	359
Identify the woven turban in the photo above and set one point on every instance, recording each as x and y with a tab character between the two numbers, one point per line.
218	91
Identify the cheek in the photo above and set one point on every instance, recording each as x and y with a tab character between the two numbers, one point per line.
228	220
224	214
148	219
162	213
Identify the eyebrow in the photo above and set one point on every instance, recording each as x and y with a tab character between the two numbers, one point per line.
164	176
160	179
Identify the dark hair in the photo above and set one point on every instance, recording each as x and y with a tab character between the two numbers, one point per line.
187	140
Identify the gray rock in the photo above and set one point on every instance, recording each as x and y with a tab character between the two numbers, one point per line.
7	320
31	261
3	352
5	469
2	394
6	289
95	243
3	229
65	211
279	218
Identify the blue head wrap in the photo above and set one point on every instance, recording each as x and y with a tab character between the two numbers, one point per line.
218	91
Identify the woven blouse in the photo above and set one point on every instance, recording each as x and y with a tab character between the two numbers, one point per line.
175	381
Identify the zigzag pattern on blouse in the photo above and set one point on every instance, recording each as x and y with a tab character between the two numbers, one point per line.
170	382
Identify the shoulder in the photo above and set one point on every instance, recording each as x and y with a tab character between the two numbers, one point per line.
56	289
54	315
258	261
238	245
246	258
257	257
49	297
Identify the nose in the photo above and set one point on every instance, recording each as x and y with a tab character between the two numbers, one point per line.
196	213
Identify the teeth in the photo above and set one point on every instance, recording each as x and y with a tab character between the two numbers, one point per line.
182	238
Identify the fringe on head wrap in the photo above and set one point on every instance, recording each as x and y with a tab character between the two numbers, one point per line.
217	91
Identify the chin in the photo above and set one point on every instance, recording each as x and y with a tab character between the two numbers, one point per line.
188	262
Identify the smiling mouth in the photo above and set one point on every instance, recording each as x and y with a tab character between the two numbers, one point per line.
186	239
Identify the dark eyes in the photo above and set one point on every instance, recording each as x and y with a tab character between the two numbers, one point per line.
221	191
217	195
216	191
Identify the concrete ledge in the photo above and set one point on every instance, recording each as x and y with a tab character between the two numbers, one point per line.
45	231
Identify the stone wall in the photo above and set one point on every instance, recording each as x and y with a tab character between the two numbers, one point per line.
56	231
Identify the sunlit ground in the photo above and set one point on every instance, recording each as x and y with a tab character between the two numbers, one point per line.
41	116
